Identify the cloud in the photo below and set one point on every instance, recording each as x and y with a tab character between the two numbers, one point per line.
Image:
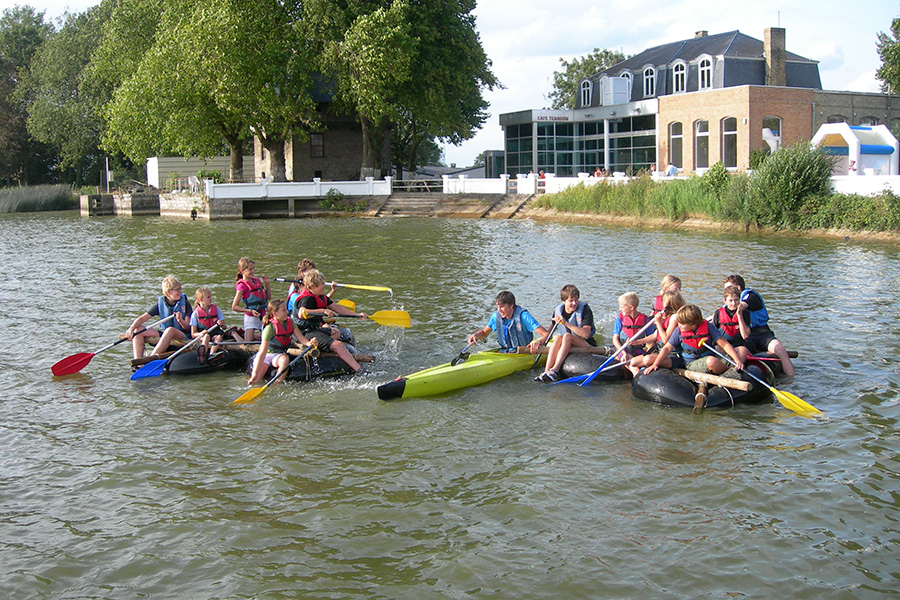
829	54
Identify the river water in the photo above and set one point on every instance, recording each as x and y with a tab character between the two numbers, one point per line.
160	488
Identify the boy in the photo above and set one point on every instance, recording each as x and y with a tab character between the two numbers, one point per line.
685	339
577	321
730	320
171	302
628	322
760	338
514	325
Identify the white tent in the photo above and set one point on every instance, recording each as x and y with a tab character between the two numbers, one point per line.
869	150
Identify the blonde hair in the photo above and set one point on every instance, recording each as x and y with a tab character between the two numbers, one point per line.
271	308
672	301
243	263
170	283
201	291
312	278
689	315
667	281
305	265
629	299
731	291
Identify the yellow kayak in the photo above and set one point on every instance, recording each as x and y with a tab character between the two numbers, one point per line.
480	367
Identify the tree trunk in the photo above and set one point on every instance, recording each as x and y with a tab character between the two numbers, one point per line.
369	159
376	148
275	146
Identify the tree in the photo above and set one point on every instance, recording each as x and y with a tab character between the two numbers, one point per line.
889	51
23	160
567	80
64	100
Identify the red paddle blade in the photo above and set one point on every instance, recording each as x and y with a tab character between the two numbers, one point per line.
72	364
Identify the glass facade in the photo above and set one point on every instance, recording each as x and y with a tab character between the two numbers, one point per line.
567	149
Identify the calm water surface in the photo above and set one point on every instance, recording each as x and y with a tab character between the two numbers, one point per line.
159	488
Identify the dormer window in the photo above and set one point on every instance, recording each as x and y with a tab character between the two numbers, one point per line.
705	73
680	75
630	79
586	89
649	82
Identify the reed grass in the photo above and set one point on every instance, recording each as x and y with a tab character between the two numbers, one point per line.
37	198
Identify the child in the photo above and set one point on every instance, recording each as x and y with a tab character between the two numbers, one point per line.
310	311
669	283
294	290
664	323
576	320
514	325
278	331
760	338
206	315
171	302
730	320
686	338
629	322
254	293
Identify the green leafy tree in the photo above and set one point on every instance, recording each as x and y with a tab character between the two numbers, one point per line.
23	160
889	51
572	73
64	102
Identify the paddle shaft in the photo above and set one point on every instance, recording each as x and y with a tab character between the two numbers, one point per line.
544	343
141	330
373	288
252	394
625	345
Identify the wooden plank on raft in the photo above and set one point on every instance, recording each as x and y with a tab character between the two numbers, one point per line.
735	384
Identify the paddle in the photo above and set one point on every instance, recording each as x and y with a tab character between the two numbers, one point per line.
373	288
252	394
348	304
586	379
389	318
463	356
155	368
788	400
76	362
549	335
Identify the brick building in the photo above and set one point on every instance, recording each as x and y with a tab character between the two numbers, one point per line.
692	103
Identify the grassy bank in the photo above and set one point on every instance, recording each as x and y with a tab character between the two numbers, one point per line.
36	198
789	191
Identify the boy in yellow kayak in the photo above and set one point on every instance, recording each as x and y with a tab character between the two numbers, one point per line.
514	325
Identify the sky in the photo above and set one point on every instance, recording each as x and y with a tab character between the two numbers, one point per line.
526	39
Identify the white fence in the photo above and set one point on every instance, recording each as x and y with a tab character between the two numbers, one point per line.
464	185
297	189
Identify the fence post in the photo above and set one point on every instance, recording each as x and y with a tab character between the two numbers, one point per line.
446	179
317	187
370	186
505	179
209	188
462	183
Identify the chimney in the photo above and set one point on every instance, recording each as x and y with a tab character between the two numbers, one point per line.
701	33
774	49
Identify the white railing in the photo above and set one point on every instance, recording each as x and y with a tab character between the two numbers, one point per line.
463	185
296	189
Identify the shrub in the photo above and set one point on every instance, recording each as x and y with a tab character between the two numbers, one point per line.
37	198
213	174
336	200
715	180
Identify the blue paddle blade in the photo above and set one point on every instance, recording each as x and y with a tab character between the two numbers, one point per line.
151	369
575	379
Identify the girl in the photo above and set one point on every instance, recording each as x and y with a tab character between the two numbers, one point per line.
278	330
254	293
205	315
171	302
665	325
669	283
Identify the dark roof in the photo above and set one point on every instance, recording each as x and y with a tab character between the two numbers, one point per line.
732	44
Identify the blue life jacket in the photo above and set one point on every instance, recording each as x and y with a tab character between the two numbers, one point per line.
165	310
511	334
758	318
577	318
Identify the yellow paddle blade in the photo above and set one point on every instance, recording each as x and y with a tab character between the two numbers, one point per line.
251	395
348	303
792	402
392	318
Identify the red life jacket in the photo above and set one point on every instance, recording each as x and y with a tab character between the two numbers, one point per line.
254	294
206	318
283	333
321	301
632	326
657	304
691	338
728	323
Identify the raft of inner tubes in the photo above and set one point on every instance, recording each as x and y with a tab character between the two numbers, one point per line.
235	359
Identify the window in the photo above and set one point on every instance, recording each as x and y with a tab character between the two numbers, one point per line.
675	139
701	144
317	145
729	142
630	78
836	119
649	82
868	121
771	132
680	72
586	88
705	74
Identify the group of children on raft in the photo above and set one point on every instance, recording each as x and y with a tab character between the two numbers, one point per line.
677	335
271	323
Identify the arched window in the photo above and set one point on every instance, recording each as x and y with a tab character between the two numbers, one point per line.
868	121
630	78
705	73
729	142
680	73
836	119
675	139
771	132
701	144
649	82
586	89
